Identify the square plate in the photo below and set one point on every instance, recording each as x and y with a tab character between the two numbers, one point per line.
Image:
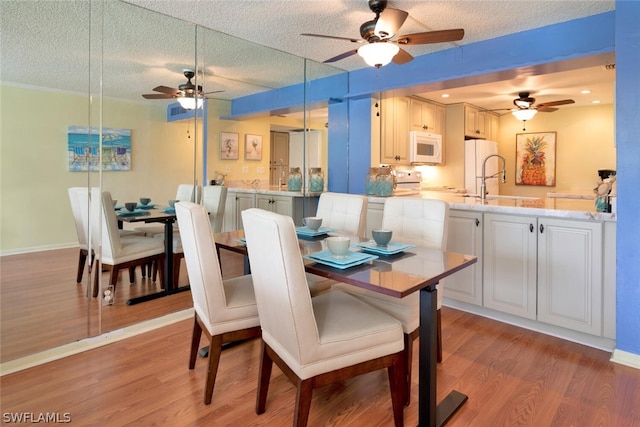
170	210
149	206
241	240
391	249
304	231
125	212
350	260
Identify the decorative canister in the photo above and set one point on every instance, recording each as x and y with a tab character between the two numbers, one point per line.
316	179
370	182
294	183
384	182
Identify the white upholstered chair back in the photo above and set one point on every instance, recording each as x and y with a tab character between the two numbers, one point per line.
214	199
104	225
283	299
421	222
205	276
80	213
343	212
185	193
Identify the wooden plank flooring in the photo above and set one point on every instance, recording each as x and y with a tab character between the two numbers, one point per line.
513	377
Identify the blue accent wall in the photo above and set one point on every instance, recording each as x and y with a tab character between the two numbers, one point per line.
338	150
628	158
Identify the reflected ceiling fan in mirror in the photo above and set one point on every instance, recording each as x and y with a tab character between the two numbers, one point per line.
525	108
378	46
187	95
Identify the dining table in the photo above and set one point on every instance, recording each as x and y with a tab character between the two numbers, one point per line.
167	217
415	269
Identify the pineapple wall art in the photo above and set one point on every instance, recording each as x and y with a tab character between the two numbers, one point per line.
536	159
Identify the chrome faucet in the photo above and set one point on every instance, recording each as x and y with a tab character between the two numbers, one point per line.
502	173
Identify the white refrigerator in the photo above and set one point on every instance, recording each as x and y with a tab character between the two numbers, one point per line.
475	151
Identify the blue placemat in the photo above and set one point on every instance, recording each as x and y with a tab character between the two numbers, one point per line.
125	212
350	260
390	249
304	231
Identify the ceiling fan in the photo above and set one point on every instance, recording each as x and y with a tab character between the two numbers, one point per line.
526	107
378	48
185	94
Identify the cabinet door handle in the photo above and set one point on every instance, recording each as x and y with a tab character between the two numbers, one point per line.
541	228
477	222
531	228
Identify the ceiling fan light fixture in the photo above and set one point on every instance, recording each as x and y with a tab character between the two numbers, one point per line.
190	102
524	114
378	54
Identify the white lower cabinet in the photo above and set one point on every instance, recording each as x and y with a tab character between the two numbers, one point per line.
545	269
509	250
570	274
293	206
465	236
236	203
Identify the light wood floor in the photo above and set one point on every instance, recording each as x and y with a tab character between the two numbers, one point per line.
513	377
39	289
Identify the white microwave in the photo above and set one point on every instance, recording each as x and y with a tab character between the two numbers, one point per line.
425	147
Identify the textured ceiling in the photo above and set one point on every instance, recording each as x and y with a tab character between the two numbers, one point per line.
257	43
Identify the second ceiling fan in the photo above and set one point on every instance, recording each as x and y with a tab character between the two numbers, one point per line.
186	94
378	44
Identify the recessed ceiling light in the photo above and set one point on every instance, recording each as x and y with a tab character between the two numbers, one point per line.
445	95
595	102
585	92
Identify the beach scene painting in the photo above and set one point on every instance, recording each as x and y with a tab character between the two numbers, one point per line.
84	149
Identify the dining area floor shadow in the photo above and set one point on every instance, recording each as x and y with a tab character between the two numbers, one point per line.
42	306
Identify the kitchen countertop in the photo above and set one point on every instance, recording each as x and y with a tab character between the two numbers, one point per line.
274	190
580	209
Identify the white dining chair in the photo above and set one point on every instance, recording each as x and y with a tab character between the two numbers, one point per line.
422	222
225	310
314	341
116	252
345	213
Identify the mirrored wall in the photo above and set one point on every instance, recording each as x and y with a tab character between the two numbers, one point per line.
82	67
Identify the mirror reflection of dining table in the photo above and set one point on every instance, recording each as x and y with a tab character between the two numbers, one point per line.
416	269
156	214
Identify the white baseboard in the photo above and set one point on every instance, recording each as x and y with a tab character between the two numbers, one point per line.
38	249
626	358
93	342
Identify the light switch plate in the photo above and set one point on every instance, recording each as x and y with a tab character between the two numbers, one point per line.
260	169
245	169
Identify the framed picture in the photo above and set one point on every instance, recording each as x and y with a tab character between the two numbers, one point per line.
83	149
253	147
228	146
536	159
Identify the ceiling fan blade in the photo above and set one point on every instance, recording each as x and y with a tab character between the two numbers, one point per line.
341	56
402	57
432	37
168	90
215	91
333	37
555	103
546	109
157	96
389	22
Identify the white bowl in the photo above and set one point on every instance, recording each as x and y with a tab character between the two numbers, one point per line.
312	222
339	246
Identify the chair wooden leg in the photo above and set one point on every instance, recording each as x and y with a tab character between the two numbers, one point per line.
397	376
303	402
215	348
263	380
113	277
439	337
176	270
132	275
82	258
408	360
96	277
195	342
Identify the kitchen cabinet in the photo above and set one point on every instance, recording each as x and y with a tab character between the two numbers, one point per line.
570	274
475	122
492	126
426	116
509	276
295	206
374	217
236	203
545	269
394	143
465	236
